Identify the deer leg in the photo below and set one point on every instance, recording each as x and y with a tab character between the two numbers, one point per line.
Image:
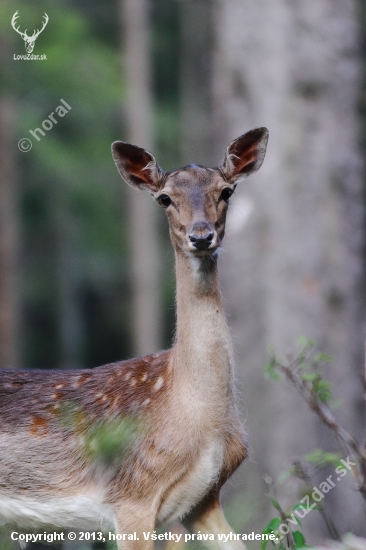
132	522
208	518
177	529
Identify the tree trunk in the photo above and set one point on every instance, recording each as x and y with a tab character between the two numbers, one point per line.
9	239
293	67
71	322
196	40
143	234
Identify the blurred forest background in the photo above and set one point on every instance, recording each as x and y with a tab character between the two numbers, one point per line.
86	267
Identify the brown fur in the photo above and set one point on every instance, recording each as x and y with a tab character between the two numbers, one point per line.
186	435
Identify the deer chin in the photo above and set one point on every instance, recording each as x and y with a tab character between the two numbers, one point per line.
205	253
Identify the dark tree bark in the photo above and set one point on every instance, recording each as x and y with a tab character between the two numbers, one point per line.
10	351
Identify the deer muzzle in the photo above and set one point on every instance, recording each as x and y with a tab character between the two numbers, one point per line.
203	236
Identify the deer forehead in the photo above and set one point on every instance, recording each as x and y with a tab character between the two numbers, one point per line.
194	185
194	176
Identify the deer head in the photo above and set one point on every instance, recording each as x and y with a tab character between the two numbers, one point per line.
29	40
195	198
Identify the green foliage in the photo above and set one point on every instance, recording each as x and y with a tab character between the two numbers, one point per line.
271	370
295	539
304	372
106	440
303	469
299	539
307	364
321	388
272	527
111	440
322	458
275	503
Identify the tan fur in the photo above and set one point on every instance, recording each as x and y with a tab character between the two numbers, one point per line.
186	435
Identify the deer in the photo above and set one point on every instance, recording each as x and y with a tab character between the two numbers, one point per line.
29	41
178	407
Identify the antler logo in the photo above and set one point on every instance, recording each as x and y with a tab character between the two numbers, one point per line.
29	40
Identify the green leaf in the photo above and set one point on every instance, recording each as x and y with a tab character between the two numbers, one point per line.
322	390
310	376
271	527
270	370
273	524
297	506
305	342
275	503
322	458
271	373
299	539
323	358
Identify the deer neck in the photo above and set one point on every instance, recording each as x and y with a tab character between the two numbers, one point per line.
202	352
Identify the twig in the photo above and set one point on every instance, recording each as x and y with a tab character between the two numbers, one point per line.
348	443
303	474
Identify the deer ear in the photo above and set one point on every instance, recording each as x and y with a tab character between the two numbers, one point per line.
137	166
245	155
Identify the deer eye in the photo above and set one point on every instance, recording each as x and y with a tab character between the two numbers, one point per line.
226	194
164	200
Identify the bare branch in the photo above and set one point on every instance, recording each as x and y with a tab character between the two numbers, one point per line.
346	440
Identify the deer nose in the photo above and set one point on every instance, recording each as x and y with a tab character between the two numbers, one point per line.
201	236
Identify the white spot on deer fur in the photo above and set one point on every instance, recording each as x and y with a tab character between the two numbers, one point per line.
143	377
77	383
158	383
146	402
59	386
133	382
127	376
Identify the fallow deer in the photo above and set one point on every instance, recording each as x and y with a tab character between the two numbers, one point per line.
187	437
